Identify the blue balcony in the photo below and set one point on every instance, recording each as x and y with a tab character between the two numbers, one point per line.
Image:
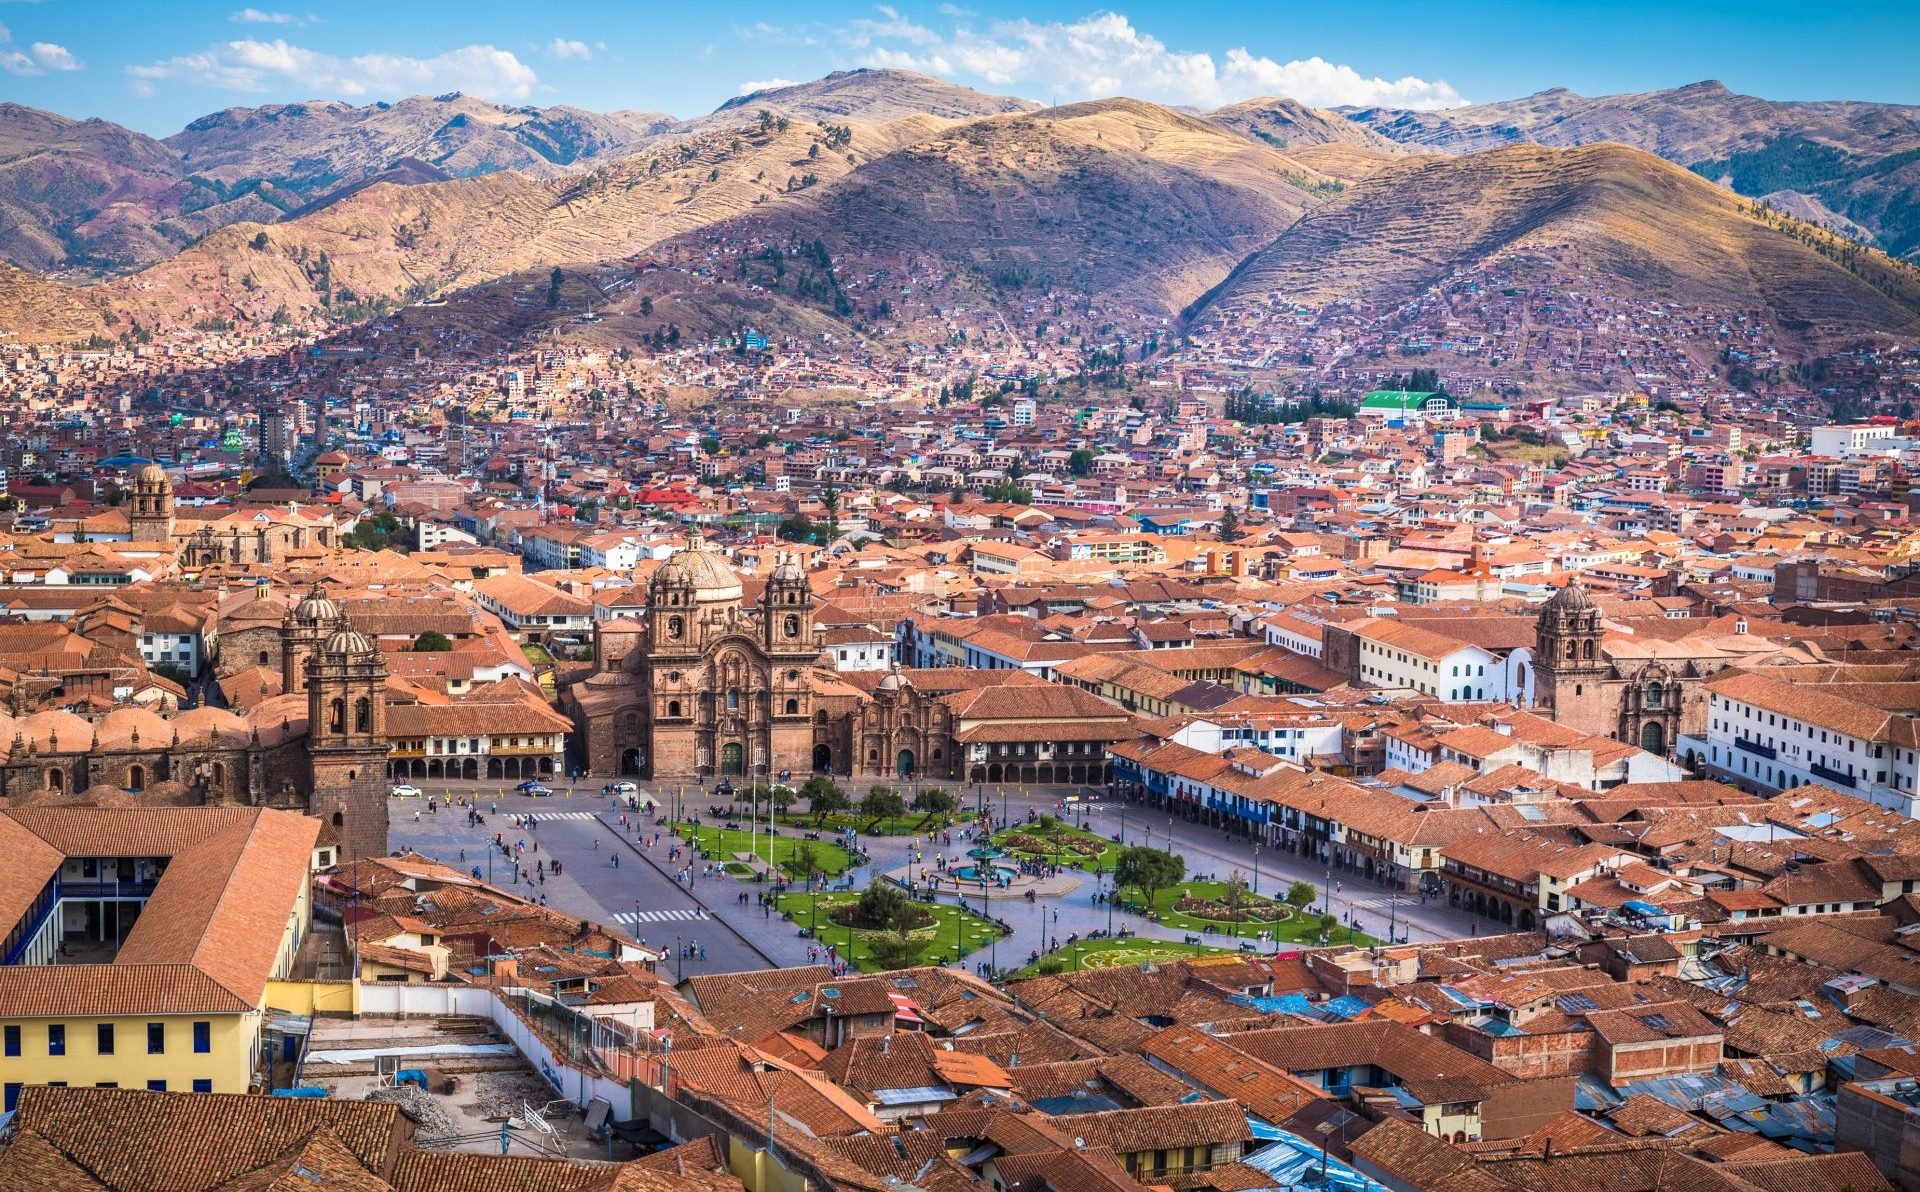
1754	747
1836	777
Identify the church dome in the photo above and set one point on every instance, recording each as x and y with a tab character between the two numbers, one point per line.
345	639
787	570
712	580
316	609
151	476
1570	599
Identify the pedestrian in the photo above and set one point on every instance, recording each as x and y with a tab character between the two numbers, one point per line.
616	860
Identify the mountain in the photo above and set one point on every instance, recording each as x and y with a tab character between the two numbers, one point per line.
868	97
73	192
1860	160
386	244
1128	203
1607	215
313	147
1290	125
43	311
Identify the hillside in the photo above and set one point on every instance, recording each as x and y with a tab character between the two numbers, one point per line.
386	244
1654	231
41	311
1862	160
1291	125
315	147
1122	200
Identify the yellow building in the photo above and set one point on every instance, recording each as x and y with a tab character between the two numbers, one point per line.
140	943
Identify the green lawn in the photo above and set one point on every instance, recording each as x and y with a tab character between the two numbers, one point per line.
934	944
1113	953
719	844
1300	927
1049	844
910	824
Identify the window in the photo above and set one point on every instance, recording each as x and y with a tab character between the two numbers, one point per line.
13	1040
203	1086
103	1036
202	1038
13	1095
56	1038
157	1086
156	1038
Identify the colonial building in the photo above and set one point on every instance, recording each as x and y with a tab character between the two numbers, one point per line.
321	748
1637	688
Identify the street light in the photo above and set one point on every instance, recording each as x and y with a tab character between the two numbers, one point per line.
679	953
1256	869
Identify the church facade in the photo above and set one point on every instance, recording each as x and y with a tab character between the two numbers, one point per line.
320	748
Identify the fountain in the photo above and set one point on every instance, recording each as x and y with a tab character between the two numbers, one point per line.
986	869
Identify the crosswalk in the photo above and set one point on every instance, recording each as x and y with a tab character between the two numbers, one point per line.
543	816
632	917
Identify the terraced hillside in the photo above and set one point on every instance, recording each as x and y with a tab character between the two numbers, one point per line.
1653	230
1291	125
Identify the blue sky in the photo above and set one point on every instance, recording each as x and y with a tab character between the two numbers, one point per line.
156	64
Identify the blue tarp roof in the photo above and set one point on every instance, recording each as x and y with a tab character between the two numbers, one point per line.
1346	1007
1293	1163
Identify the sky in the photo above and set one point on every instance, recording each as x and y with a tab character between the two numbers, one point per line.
154	65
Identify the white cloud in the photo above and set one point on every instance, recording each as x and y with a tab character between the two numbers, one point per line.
763	85
254	16
36	59
257	66
562	47
1105	54
56	57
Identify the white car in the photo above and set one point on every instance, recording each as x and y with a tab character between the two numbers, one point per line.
623	788
404	791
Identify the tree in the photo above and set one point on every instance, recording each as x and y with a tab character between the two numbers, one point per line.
646	306
1080	463
935	800
824	795
882	802
1229	525
891	950
553	286
1151	869
432	642
805	861
1236	898
782	796
883	904
1300	894
1327	924
830	497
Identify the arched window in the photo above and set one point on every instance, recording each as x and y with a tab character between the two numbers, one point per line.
263	658
1656	696
820	717
219	773
676	626
1586	650
673	707
363	715
793	707
733	699
793	625
136	777
56	780
1573	651
338	819
339	718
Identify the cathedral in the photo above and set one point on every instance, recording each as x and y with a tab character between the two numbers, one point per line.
235	538
711	684
320	748
1642	689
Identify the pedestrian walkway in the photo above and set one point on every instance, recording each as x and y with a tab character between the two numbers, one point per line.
681	914
541	817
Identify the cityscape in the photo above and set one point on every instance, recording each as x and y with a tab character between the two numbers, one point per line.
1050	610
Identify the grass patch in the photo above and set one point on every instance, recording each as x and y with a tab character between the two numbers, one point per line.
719	844
1115	953
1300	927
536	654
933	944
1059	844
911	824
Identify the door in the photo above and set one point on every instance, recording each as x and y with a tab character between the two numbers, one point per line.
731	759
904	763
1653	738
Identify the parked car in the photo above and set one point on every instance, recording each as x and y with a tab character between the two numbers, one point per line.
536	789
527	787
403	791
620	788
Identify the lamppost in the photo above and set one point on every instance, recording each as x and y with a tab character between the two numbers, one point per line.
1256	869
1326	899
679	953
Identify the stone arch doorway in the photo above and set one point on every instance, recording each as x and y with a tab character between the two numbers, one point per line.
903	764
823	759
732	760
1653	738
630	761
